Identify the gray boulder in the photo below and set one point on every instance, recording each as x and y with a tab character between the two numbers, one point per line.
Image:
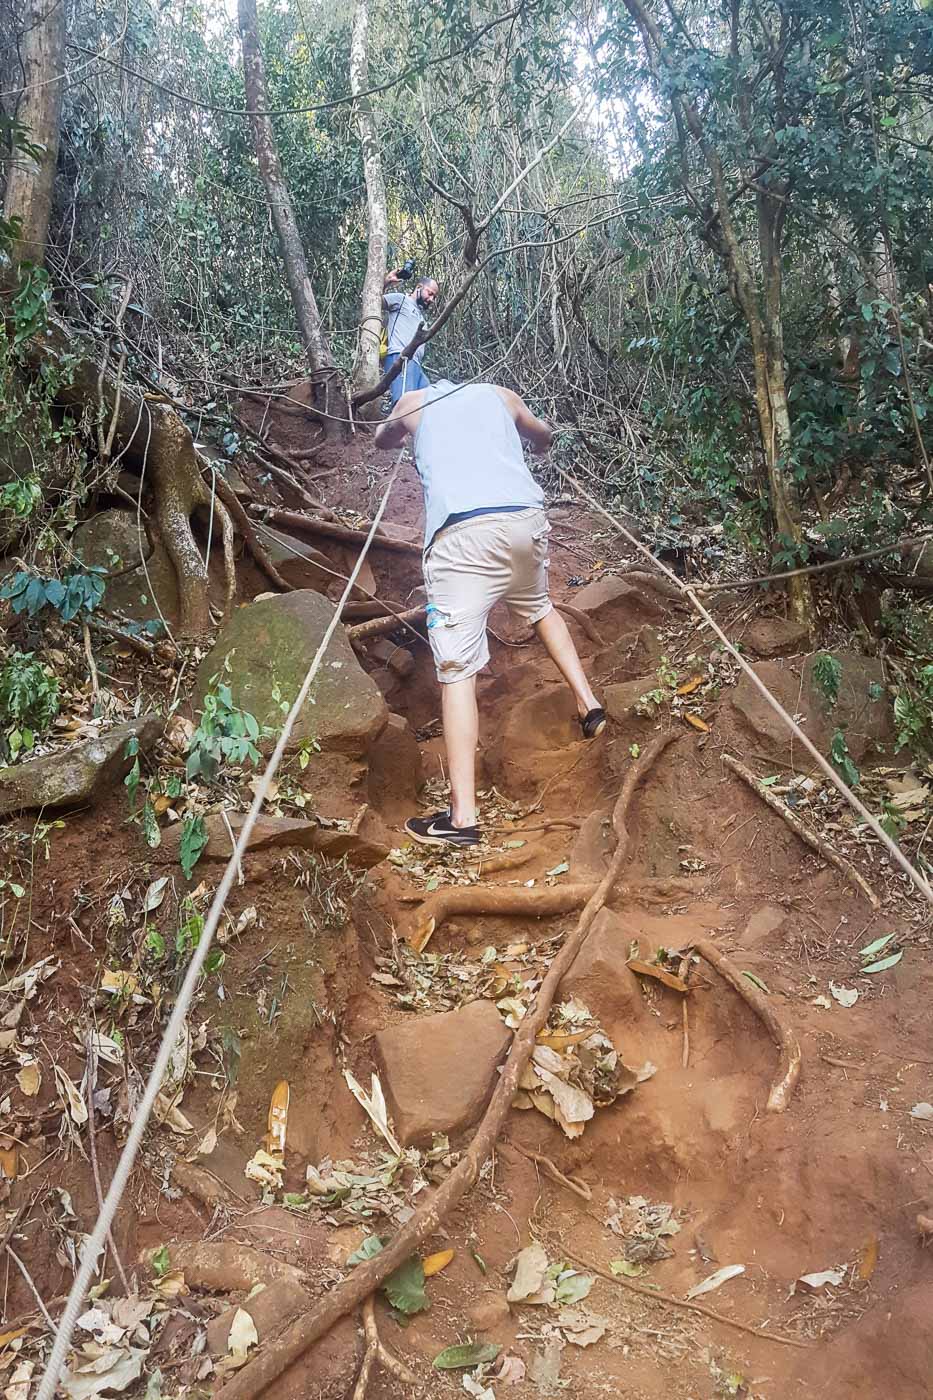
270	646
80	775
110	541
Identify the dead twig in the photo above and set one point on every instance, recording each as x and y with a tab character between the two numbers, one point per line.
258	1374
378	626
332	530
810	838
377	1353
668	1300
95	1166
579	1188
783	1036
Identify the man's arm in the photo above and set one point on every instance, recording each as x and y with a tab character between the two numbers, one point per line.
401	422
535	431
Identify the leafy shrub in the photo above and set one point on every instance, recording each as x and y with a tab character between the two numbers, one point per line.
225	732
74	595
28	702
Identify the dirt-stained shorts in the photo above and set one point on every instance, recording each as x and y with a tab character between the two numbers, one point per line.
474	565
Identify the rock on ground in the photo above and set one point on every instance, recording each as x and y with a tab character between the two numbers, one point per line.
80	775
272	832
396	771
775	636
614	604
110	541
270	646
861	711
438	1072
600	979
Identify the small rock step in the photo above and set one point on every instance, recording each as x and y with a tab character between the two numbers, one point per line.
438	1072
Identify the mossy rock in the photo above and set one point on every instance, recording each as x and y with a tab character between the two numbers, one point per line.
270	645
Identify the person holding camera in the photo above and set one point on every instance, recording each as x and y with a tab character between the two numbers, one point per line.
485	541
405	319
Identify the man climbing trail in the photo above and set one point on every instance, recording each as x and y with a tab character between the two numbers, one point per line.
485	540
405	317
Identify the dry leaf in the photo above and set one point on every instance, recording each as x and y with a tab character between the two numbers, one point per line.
697	723
868	1259
76	1105
436	1262
18	1389
242	1335
9	1162
265	1169
530	1267
278	1119
7	1337
690	686
119	983
716	1280
29	1079
646	969
374	1105
812	1283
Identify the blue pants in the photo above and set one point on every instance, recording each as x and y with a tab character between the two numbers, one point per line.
409	377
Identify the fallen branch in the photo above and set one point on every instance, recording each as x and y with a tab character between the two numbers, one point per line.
583	622
377	1352
655	1295
810	838
332	530
378	626
784	1038
257	1375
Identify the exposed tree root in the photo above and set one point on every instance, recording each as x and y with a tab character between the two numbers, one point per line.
784	1038
152	436
257	1375
810	838
332	530
492	899
377	1353
582	621
579	1188
254	545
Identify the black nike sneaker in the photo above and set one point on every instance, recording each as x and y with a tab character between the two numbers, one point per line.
439	830
593	723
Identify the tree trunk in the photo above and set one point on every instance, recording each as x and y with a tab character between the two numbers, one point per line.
366	369
310	326
154	438
38	107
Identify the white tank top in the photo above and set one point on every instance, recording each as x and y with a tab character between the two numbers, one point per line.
469	455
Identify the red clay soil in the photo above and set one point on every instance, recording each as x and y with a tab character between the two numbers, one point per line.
841	1174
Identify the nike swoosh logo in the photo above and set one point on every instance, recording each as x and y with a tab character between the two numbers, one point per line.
437	830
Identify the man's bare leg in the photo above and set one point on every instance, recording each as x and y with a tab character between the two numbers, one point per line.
461	732
556	637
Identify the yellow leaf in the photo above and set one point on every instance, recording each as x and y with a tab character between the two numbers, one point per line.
162	804
435	1262
9	1162
697	723
868	1259
559	1040
120	983
690	686
7	1337
29	1079
278	1119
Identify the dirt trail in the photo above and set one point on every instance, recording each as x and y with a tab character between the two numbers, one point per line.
317	972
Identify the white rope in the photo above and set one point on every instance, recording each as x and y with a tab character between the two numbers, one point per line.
176	1021
894	851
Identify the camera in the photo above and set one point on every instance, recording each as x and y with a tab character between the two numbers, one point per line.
407	270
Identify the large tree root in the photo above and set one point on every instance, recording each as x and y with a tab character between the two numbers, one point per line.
378	626
254	545
154	439
784	1038
809	838
585	623
378	1353
260	1373
492	899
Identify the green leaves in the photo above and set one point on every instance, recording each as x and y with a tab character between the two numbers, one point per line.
841	760
73	595
458	1358
29	702
405	1288
193	841
827	674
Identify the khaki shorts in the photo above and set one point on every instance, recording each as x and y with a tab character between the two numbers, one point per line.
474	565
